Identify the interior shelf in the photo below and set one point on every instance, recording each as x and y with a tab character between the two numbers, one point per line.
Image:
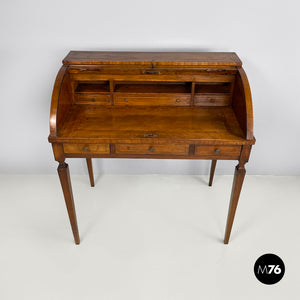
205	88
92	87
152	87
155	87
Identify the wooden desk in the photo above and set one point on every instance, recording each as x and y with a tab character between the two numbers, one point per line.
151	105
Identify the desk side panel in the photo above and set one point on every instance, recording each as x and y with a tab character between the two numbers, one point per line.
242	103
61	100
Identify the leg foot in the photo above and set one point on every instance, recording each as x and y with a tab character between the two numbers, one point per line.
90	169
212	171
239	176
64	176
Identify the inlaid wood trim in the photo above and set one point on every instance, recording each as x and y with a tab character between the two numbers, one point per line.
192	149
112	148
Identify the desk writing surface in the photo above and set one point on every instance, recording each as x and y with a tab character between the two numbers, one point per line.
186	123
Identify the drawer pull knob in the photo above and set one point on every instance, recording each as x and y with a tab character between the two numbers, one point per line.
217	151
85	148
150	135
177	100
152	72
93	100
151	149
125	100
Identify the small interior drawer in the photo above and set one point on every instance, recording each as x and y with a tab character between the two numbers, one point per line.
157	99
175	149
87	148
212	99
92	99
232	152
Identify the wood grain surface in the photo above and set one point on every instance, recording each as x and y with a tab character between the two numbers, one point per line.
153	58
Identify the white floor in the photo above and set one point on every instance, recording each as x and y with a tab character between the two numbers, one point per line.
146	237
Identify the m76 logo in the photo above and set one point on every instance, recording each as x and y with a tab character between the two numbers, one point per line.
269	269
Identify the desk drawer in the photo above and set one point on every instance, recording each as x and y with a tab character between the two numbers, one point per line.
232	152
172	149
152	99
212	99
87	148
92	99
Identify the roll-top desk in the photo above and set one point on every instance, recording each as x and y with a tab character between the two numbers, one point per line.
170	105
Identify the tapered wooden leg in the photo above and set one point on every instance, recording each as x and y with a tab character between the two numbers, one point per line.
238	180
212	171
64	176
239	176
90	169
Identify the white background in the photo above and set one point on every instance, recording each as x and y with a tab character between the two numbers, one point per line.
36	35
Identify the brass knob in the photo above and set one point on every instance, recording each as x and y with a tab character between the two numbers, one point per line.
217	151
85	148
151	149
151	72
177	100
125	100
150	135
93	100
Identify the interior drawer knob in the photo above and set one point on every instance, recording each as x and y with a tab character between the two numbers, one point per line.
177	100
125	100
93	100
217	151
151	149
151	72
150	135
85	148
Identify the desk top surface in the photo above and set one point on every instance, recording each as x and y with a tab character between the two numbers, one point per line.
151	59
